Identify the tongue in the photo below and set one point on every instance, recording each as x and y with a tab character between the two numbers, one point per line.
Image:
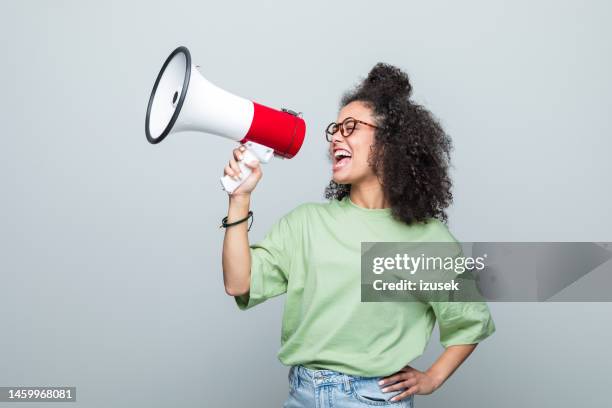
344	160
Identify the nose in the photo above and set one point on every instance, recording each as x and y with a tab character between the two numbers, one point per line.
337	137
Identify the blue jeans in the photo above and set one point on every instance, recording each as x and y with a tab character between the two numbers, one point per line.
331	389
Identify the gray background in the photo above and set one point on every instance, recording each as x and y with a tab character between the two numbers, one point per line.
110	264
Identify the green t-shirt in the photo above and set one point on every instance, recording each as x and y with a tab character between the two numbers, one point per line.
313	254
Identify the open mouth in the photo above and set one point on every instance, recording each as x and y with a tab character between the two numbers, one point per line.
342	157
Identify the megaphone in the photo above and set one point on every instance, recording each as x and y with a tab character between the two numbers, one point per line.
183	100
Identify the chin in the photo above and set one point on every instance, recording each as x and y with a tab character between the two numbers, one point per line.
342	179
348	175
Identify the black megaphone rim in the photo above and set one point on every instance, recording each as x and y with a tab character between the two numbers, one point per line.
179	105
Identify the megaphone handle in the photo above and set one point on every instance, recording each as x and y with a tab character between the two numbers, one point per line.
228	183
253	151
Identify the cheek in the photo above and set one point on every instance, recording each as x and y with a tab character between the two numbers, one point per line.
360	158
361	153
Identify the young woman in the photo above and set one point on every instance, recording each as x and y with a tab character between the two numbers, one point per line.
390	183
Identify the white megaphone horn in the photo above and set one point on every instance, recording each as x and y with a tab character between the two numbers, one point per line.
182	99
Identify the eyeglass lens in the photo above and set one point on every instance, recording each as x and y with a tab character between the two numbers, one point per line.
346	128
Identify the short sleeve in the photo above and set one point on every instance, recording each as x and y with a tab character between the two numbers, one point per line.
463	322
270	265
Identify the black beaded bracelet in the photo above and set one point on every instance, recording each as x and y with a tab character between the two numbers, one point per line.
224	223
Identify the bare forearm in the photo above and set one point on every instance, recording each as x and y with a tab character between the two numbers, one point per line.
236	258
449	361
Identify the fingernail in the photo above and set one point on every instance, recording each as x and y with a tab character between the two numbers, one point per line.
385	389
381	382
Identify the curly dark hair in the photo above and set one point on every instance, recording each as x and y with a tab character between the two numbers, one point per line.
411	151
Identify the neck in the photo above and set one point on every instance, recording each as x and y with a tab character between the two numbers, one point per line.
369	195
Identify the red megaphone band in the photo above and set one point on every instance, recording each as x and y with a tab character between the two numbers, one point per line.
279	130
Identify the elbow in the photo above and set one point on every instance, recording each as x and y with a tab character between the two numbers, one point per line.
236	291
236	285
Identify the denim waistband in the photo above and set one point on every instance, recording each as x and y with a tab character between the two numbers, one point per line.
299	373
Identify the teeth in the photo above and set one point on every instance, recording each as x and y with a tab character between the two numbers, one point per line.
341	152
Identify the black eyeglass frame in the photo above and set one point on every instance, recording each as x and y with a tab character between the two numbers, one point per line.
333	127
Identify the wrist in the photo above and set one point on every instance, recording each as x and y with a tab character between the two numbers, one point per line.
240	199
438	379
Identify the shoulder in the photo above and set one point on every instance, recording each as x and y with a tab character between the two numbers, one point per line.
437	231
308	209
294	222
307	213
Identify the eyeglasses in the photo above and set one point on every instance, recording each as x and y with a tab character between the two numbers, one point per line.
346	127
